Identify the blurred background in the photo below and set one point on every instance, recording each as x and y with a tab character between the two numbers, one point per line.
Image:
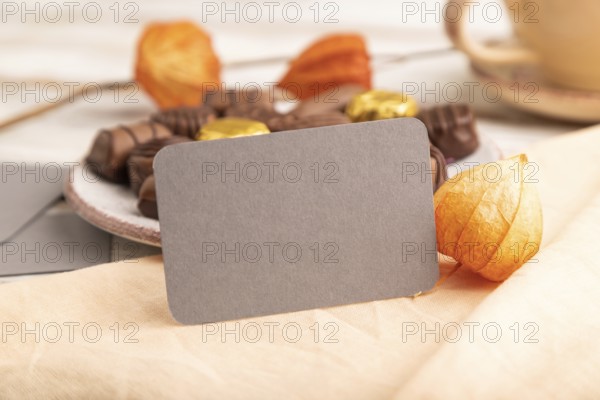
99	38
53	46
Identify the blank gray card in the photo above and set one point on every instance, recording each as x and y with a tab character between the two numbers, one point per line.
296	220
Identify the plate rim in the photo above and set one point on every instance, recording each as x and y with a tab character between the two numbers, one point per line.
106	222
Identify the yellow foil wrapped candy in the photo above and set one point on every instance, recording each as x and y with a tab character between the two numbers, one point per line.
489	218
380	104
227	128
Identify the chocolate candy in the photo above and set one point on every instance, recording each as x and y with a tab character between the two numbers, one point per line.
257	112
379	104
139	165
185	121
222	100
334	99
147	198
451	128
438	167
292	122
112	147
227	128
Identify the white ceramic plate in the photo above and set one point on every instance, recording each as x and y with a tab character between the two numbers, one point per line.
110	207
113	207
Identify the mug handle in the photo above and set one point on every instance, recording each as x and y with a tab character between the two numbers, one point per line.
482	53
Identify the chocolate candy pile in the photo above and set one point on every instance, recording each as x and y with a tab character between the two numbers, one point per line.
125	154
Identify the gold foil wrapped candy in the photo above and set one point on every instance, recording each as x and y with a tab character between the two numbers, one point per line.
489	218
380	104
226	128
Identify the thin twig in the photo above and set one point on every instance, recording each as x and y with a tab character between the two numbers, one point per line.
44	108
447	275
380	58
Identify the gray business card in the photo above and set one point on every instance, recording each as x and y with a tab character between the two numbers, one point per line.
296	220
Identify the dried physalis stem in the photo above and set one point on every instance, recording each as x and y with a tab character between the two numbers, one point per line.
489	218
176	64
330	62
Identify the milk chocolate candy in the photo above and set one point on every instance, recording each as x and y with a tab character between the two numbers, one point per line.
257	112
451	128
112	148
438	167
334	99
222	100
185	121
139	165
292	122
147	198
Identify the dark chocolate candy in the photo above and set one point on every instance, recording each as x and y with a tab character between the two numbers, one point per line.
139	164
185	121
147	198
451	128
290	122
438	167
112	147
334	99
